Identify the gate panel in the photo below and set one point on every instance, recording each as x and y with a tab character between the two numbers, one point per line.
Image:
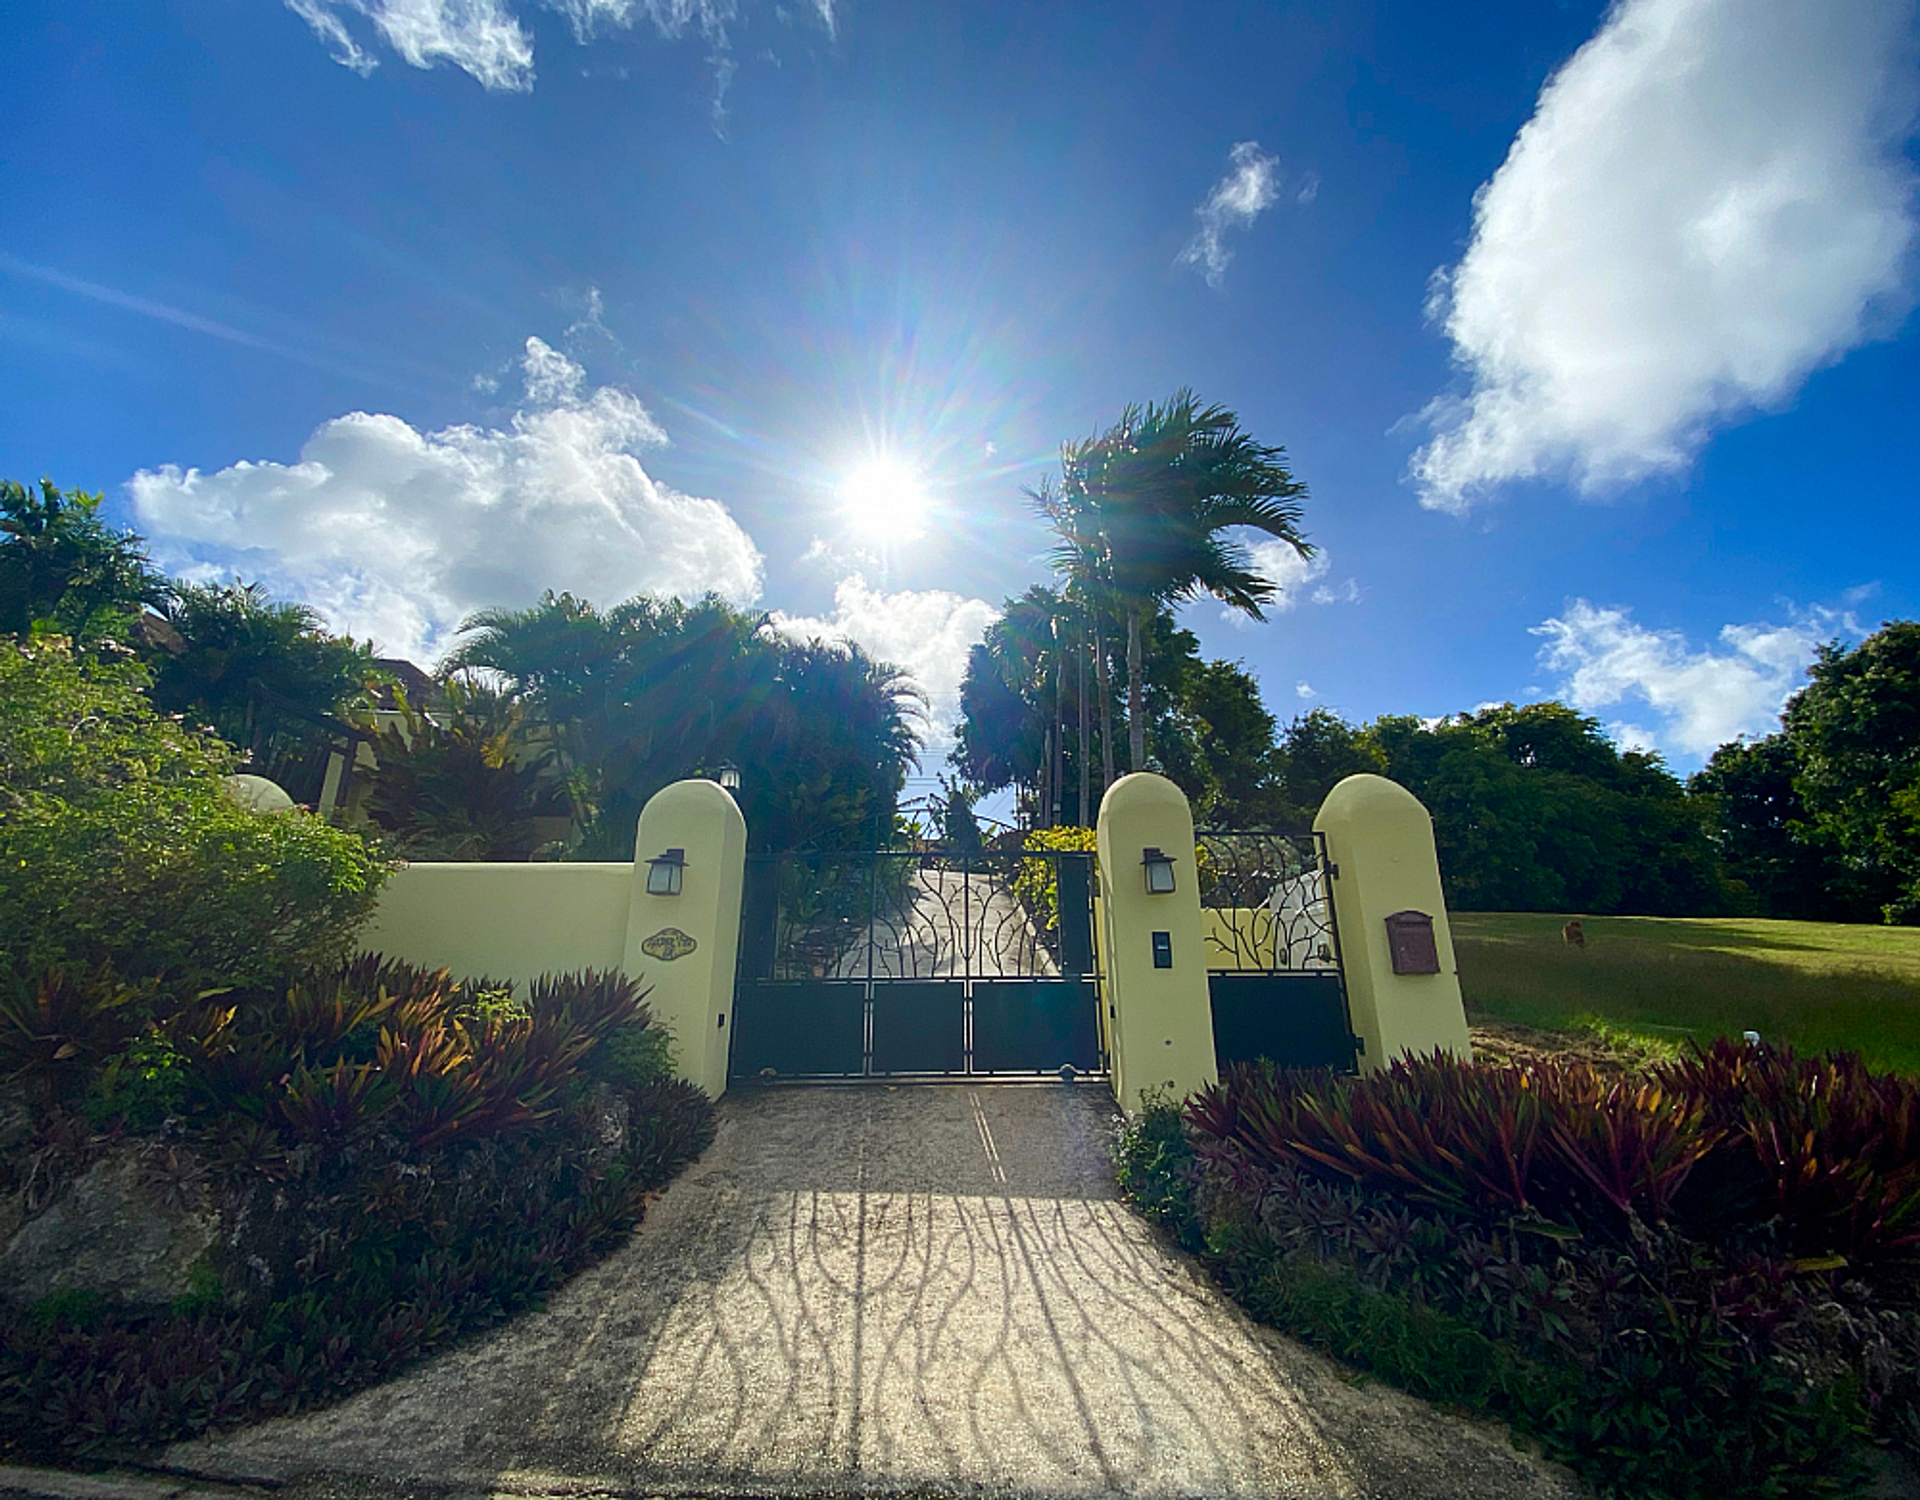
916	960
1034	1025
1275	979
1297	1020
919	1026
805	1027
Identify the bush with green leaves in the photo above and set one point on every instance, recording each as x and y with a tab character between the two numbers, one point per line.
402	1158
1704	1281
468	782
120	845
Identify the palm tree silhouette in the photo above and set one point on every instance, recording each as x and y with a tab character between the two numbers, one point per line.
1148	504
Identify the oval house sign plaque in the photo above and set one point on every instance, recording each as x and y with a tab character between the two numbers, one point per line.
668	944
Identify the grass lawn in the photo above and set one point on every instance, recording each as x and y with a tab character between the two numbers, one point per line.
1811	985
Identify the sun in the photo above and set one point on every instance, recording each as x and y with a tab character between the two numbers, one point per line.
884	500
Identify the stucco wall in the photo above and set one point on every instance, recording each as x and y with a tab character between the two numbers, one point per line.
506	921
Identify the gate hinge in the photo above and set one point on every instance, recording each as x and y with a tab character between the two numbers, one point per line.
1359	1046
1333	870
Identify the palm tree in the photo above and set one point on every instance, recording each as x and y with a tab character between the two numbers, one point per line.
1154	495
1081	558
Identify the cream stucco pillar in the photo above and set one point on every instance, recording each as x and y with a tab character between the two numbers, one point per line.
682	947
1160	1021
1380	840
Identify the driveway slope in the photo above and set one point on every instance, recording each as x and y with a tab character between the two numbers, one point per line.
928	1289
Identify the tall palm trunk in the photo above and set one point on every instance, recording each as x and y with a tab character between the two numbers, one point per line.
1103	670
1057	808
1085	761
1136	698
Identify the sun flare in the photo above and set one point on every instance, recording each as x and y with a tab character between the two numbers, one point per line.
884	500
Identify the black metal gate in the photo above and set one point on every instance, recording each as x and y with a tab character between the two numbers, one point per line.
1274	973
902	963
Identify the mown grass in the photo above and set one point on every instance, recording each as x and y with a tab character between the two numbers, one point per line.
1662	980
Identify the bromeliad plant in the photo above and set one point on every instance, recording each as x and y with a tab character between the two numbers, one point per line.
385	1048
1826	1152
397	1157
1701	1281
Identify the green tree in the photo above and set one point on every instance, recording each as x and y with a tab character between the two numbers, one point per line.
119	843
653	690
467	782
1221	748
66	572
1157	494
1534	809
267	676
1855	729
1319	750
1787	866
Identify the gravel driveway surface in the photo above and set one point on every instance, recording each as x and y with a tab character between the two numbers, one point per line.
928	1289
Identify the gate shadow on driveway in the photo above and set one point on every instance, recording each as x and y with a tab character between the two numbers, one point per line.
926	1288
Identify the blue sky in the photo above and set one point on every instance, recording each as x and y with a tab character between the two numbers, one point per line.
1588	328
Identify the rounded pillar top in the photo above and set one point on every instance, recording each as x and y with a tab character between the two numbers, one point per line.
258	794
1143	792
1367	798
694	800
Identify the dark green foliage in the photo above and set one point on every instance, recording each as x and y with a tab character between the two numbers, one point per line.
1534	809
63	571
654	690
57	1028
1700	1283
466	783
1855	730
411	1159
1319	751
266	676
1776	858
1211	734
119	844
1153	1161
140	1087
634	1057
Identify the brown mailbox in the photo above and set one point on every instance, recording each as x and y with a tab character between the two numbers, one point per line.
1410	941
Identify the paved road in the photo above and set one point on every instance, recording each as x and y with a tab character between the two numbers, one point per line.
863	1290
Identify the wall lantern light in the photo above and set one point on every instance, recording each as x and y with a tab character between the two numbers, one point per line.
728	775
1159	871
663	872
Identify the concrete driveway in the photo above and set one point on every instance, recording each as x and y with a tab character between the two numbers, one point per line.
871	1290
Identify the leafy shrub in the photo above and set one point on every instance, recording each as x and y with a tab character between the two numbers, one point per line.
141	1087
1037	881
1823	1150
466	786
1698	1282
1153	1161
635	1057
411	1158
119	844
56	1029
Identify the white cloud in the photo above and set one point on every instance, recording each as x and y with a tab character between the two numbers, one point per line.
1710	202
1702	698
1304	691
1247	191
926	631
398	534
1296	578
480	37
486	39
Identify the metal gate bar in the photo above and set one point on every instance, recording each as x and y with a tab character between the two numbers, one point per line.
932	942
